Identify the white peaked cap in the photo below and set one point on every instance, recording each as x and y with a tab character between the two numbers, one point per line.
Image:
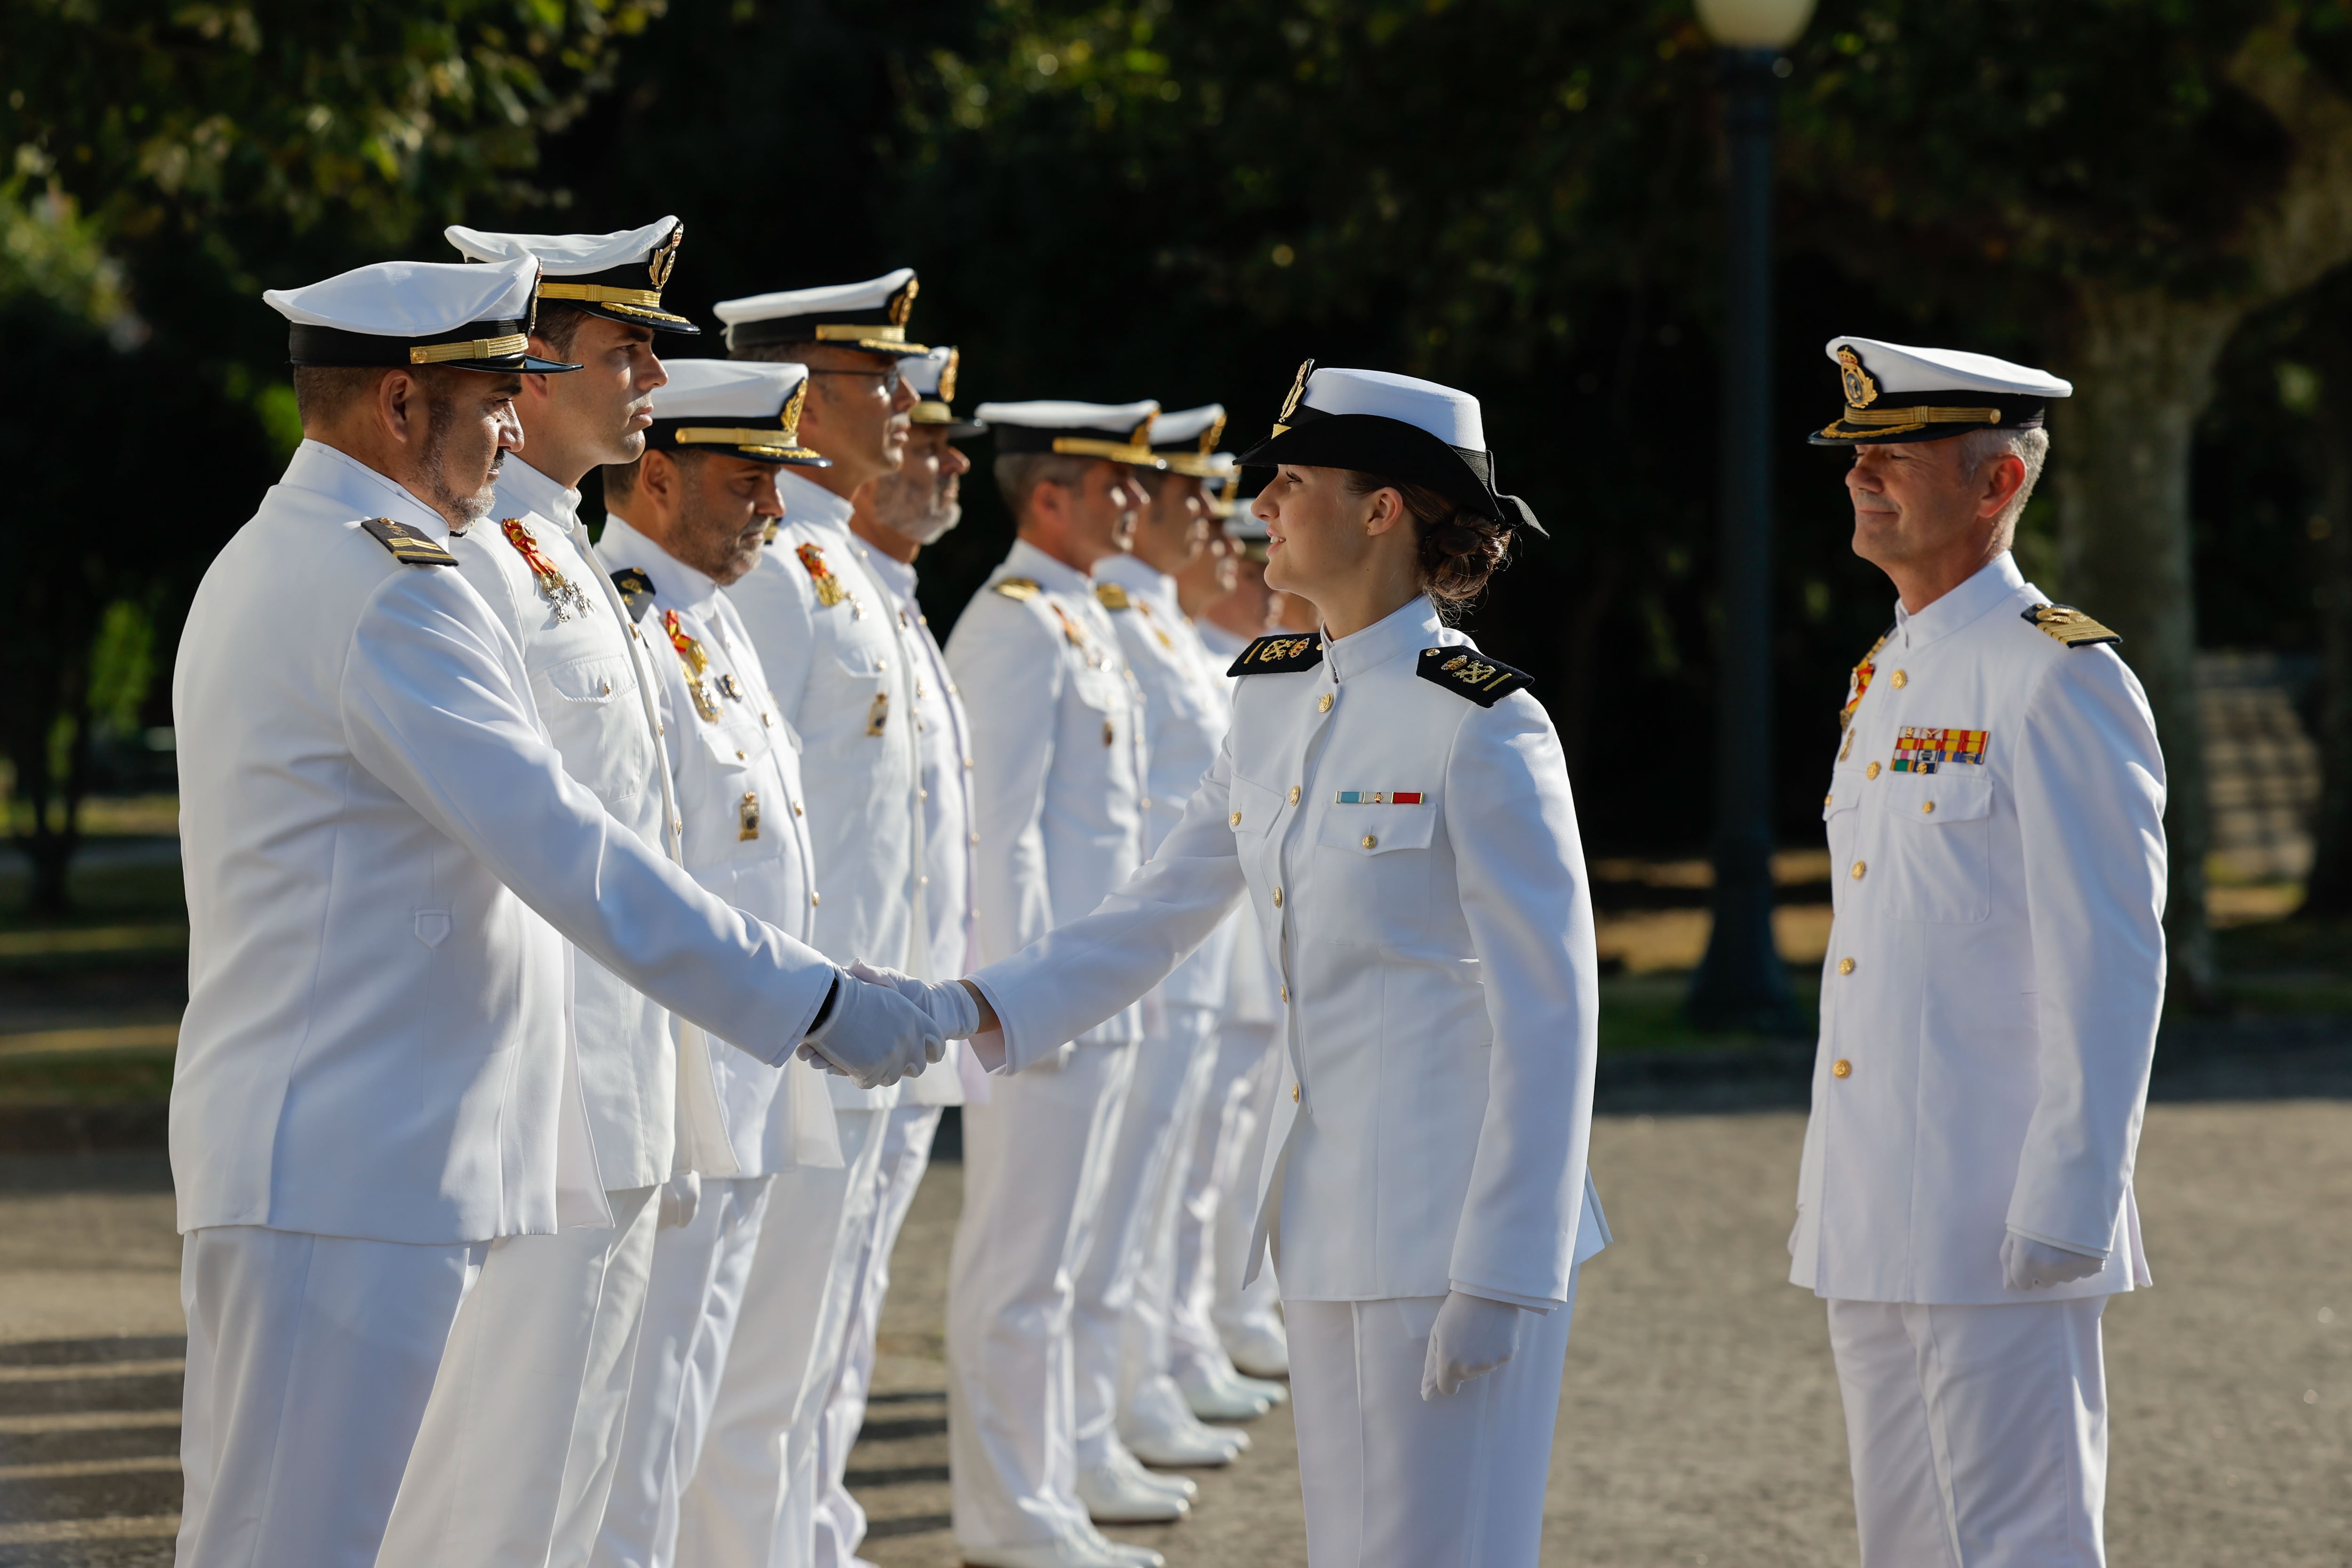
727	389
563	256
412	298
1450	416
924	371
1186	424
832	298
1051	415
1898	368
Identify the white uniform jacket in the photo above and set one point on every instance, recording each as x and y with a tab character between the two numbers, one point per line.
1996	969
1058	759
585	676
943	731
838	663
384	859
736	768
1413	858
1188	706
1251	986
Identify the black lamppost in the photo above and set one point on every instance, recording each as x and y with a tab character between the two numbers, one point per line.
1741	984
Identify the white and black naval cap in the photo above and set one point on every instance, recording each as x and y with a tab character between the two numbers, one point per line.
619	276
418	313
1895	393
1116	432
871	316
933	377
1397	427
738	408
1188	438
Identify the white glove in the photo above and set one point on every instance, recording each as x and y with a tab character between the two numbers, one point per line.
2029	1265
1472	1336
950	1005
873	1036
680	1197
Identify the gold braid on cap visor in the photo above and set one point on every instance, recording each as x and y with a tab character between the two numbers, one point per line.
1896	421
771	439
505	348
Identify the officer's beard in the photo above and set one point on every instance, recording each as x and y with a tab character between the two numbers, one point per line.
922	516
461	507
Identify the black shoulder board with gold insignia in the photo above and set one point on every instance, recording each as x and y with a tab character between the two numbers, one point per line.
2068	625
406	544
1279	654
637	590
1016	587
1465	671
1111	595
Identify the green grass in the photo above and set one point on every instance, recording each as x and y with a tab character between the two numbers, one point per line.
1644	1013
112	1078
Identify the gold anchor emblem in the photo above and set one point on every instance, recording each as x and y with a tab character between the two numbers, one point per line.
1297	390
948	376
792	417
1861	391
902	304
665	256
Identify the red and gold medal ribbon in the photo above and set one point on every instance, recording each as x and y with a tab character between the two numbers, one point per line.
553	587
829	592
690	654
1859	683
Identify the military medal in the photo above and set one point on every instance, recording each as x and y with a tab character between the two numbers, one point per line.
690	654
732	687
1926	750
877	713
829	592
746	816
1859	682
562	594
1379	798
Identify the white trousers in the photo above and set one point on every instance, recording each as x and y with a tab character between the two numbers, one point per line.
518	1443
311	1360
1215	1223
1171	1073
1035	1158
906	1155
1978	1435
691	1309
1392	1480
750	1498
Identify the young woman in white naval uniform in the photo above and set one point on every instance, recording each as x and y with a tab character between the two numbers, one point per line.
1396	811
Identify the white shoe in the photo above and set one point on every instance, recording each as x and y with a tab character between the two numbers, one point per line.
1112	1497
1258	1348
1128	1464
1265	1388
1187	1447
1214	1399
1119	1555
1089	1550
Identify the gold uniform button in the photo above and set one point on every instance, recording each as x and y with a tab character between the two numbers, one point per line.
1871	771
1277	898
1286	992
1859	867
739	756
922	794
796	809
1323	703
1902	679
1235	819
1927	808
1371	841
1294	1094
1841	1068
975	838
813	898
1828	800
1845	966
1294	794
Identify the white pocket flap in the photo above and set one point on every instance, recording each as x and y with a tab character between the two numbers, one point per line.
1377	829
592	680
1933	800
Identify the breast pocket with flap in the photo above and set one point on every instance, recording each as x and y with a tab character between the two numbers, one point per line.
1937	844
1373	862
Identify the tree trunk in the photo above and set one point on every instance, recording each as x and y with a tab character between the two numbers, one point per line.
2143	370
2329	892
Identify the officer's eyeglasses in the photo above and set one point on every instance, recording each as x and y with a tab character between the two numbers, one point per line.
889	378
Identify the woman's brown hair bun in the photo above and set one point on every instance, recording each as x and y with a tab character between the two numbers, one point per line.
1460	548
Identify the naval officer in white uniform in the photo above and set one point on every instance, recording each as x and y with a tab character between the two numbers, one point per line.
1397	811
842	669
1990	994
387	871
683	522
1059	789
575	1297
897	516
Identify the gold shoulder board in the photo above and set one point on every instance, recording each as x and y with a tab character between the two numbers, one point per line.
1467	673
1112	595
1017	588
2068	625
1279	654
406	544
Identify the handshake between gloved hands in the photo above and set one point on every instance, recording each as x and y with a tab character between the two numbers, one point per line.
882	1026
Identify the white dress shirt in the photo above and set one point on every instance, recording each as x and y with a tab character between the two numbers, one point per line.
584	665
1437	955
1058	758
844	677
384	858
745	818
1996	969
1188	707
944	732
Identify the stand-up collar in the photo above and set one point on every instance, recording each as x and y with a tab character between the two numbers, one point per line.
1138	577
1408	630
1993	582
521	484
896	577
341	476
807	502
622	548
1027	559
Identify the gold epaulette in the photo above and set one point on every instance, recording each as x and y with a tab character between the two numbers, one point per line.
408	546
1112	595
2068	625
1016	588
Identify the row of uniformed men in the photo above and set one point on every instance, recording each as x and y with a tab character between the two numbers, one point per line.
549	1276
